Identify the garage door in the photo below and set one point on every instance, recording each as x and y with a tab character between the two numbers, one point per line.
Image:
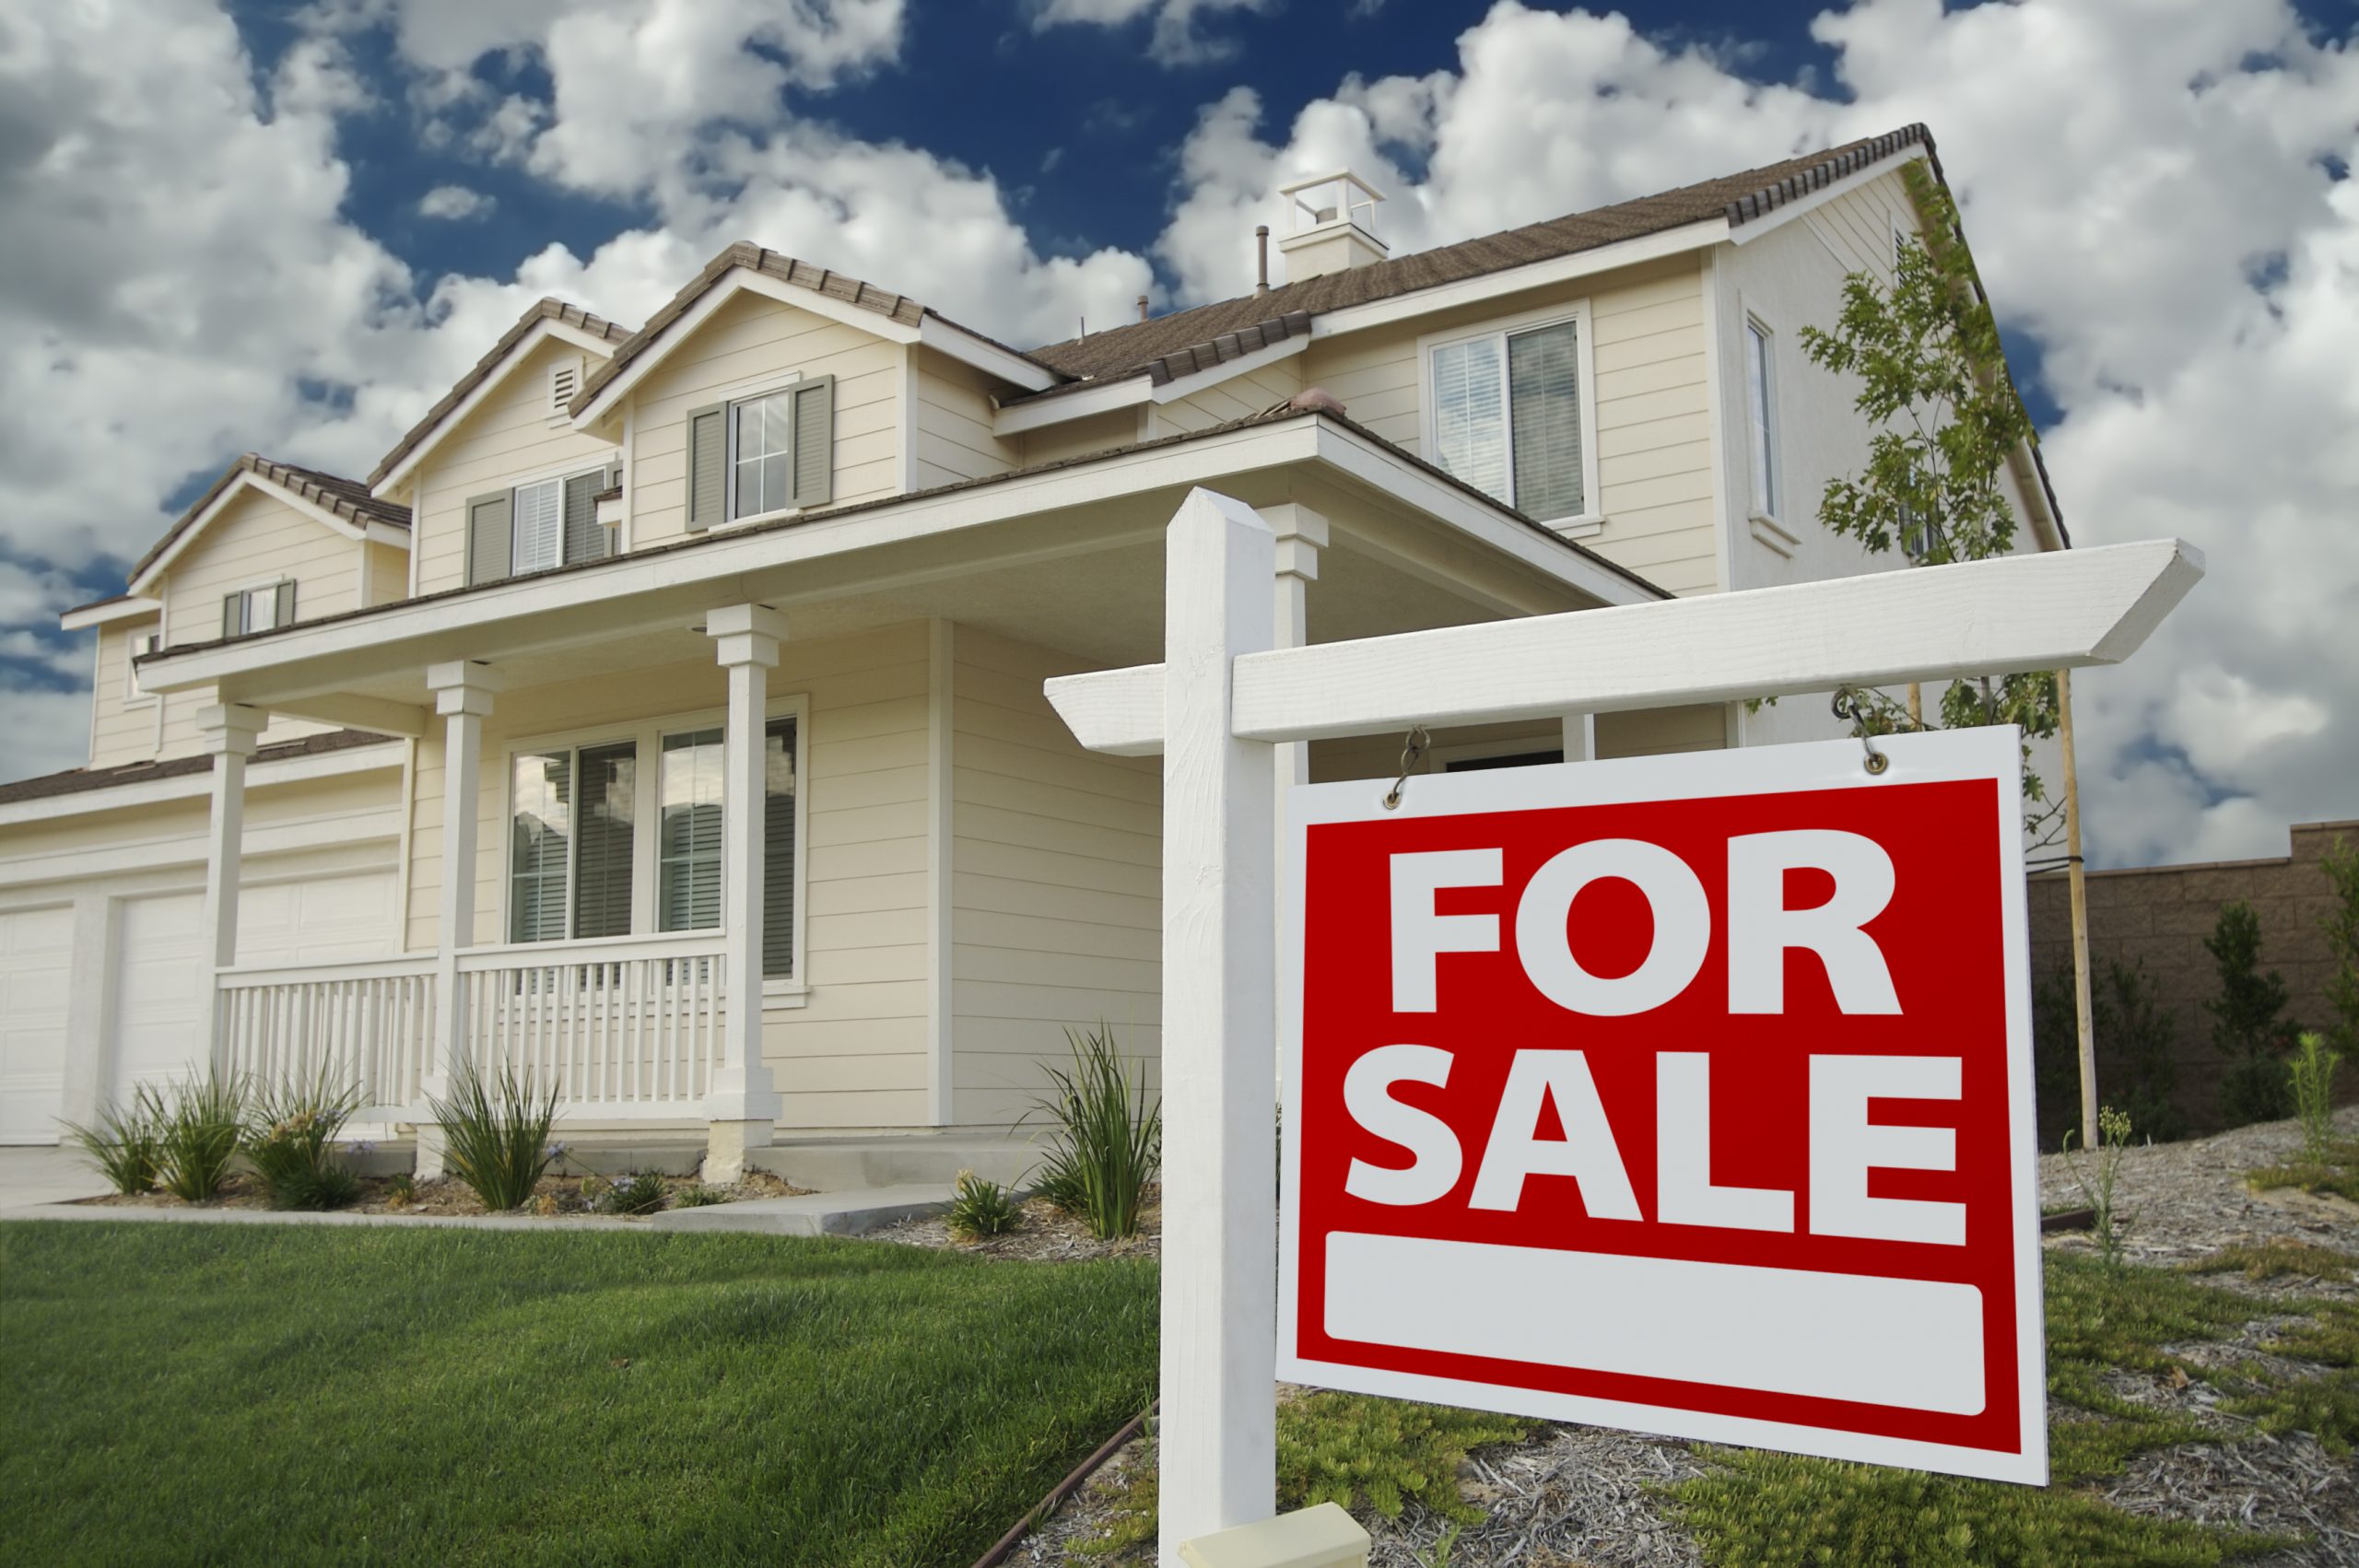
158	991
34	947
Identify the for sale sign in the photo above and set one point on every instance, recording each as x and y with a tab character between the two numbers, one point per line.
1685	1093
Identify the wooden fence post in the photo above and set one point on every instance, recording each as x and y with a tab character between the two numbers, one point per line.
1218	1441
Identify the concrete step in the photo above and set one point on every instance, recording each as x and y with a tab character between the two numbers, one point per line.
846	1213
841	1165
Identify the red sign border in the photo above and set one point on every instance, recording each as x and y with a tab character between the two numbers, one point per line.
1991	755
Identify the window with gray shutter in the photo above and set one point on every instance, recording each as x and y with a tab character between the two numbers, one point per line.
709	466
585	536
233	614
814	442
491	536
778	848
282	612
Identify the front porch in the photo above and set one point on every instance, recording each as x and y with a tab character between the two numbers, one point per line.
795	850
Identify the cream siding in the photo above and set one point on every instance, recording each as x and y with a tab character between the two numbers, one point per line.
1233	397
121	732
1056	886
1079	437
509	439
388	573
756	343
256	539
855	1054
953	424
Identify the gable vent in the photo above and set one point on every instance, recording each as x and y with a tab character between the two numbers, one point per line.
565	380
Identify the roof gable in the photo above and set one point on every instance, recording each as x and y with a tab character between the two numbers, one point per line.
547	318
332	502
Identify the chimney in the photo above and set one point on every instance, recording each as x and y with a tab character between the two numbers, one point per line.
1142	307
1332	225
1260	258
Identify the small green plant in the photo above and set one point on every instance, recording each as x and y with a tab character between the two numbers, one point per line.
641	1192
2311	1075
1108	1140
981	1208
401	1190
699	1197
290	1130
197	1136
2097	1189
127	1144
2279	1259
498	1135
2246	1024
1355	1448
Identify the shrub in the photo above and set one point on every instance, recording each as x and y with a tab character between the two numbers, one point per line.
2135	1030
498	1136
2341	925
197	1136
1104	1155
288	1138
2245	1022
2311	1078
641	1192
127	1144
981	1208
700	1197
1351	1449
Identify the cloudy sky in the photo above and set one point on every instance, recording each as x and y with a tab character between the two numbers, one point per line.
288	228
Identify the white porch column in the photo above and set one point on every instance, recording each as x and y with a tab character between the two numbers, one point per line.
1301	535
463	695
742	1106
229	731
1220	1287
1580	737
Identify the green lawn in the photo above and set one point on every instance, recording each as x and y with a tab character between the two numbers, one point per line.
261	1394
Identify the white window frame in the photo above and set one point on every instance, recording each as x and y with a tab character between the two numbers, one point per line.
647	823
246	591
729	398
1769	508
132	696
556	475
1592	517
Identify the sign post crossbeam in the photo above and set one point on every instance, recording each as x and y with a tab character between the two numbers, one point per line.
2048	612
1223	698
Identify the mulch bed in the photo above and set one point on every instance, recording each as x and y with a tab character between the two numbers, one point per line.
1589	1496
1047	1234
555	1198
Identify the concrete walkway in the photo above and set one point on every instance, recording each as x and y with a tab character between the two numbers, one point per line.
38	1174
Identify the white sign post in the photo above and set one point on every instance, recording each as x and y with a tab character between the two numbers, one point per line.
1223	697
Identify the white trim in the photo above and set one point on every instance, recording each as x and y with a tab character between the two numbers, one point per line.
1139	388
646	736
189	786
941	728
246	479
748	391
909	406
547	327
626	530
1212	376
1716	440
132	696
408	860
934	333
1589	520
725	556
129	608
418	521
1767	452
1787	212
1516	280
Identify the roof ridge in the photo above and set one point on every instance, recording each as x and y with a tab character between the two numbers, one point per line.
346	499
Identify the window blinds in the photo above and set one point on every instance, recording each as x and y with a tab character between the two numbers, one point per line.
688	840
606	793
778	848
1544	378
540	833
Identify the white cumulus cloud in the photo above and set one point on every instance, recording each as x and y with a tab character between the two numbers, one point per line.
454	204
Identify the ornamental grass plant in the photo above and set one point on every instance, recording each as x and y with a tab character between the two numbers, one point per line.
197	1136
127	1144
1107	1140
497	1135
290	1141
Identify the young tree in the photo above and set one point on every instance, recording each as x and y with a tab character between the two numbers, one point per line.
1933	382
2246	1024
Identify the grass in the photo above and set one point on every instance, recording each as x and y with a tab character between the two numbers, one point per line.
371	1396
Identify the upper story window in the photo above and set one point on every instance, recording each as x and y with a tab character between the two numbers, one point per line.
1761	416
141	645
259	608
1509	412
768	452
544	523
590	854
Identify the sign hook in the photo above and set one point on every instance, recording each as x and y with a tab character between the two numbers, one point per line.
1411	754
1847	704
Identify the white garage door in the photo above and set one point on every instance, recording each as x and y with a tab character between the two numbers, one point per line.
34	947
159	992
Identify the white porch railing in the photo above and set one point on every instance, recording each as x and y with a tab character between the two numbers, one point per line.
624	1026
366	1026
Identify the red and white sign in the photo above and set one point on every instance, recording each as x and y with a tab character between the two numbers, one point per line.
1687	1094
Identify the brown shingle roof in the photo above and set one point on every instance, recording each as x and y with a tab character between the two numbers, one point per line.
75	780
544	310
1130	350
331	492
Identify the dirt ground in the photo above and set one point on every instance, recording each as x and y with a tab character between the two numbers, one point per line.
558	1198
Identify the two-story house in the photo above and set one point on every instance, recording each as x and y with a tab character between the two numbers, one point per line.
664	716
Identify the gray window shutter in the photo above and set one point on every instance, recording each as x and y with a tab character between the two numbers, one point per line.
709	466
814	442
779	849
585	536
232	619
492	537
284	616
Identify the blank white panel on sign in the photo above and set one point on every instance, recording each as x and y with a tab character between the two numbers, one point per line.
1859	1337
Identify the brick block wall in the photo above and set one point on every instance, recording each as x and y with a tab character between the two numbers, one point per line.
2163	913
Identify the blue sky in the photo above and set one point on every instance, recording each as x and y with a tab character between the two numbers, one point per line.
290	226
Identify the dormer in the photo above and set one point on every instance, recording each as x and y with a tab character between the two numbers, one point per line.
1332	225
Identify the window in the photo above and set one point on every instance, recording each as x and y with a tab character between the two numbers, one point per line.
1760	406
1507	417
141	644
258	609
549	523
585	841
769	451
